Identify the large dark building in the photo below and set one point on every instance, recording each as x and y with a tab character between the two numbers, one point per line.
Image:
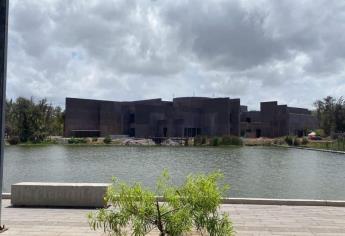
275	120
183	117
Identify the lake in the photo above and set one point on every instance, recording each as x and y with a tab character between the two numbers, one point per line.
261	172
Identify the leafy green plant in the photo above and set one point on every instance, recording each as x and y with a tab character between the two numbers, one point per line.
305	141
231	140
215	141
13	140
296	141
200	140
193	205
107	140
289	140
77	141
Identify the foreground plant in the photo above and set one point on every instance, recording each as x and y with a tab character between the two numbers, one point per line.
192	206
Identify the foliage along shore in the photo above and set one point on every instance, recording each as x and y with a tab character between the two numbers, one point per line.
199	141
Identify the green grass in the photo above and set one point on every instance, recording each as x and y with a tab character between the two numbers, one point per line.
336	145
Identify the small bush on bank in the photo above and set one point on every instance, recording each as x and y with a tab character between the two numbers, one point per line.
200	140
107	140
231	140
215	141
320	133
305	141
296	141
289	140
13	140
77	141
194	205
94	139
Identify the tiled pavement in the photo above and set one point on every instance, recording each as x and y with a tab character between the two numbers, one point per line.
247	219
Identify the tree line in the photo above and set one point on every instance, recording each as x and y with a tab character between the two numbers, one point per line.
330	113
30	121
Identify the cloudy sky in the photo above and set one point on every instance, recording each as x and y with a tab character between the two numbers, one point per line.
292	51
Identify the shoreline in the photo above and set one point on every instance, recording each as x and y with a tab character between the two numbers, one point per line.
310	149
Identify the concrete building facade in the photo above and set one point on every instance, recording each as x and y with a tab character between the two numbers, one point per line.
183	117
275	120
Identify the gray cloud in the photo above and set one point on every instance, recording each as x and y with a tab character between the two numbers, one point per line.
290	51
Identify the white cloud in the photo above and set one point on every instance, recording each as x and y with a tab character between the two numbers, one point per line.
289	50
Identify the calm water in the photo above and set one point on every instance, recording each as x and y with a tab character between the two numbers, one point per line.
251	171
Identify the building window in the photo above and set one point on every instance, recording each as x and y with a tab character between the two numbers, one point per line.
192	132
132	118
165	132
132	132
248	120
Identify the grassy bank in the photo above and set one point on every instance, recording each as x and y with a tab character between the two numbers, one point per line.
336	145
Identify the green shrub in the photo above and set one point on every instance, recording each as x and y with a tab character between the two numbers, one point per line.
194	205
289	140
215	141
94	139
320	132
231	140
200	140
77	140
305	141
13	140
107	140
296	141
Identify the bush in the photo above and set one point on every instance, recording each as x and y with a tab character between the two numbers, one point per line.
94	139
77	141
305	141
231	140
200	140
296	142
320	132
215	141
195	204
13	140
107	140
289	140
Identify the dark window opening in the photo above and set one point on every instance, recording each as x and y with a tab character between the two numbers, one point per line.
132	132
192	132
299	133
132	118
165	132
198	131
248	120
258	133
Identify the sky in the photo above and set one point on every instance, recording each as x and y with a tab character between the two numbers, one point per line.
292	51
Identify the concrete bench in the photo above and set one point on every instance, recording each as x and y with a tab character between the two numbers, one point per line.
41	194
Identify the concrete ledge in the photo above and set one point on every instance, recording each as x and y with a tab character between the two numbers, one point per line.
90	195
58	194
286	202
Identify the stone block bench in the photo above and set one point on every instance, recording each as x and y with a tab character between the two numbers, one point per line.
44	194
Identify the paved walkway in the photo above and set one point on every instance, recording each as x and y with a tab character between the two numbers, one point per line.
247	219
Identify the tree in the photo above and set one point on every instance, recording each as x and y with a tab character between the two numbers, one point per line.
331	114
194	204
30	121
